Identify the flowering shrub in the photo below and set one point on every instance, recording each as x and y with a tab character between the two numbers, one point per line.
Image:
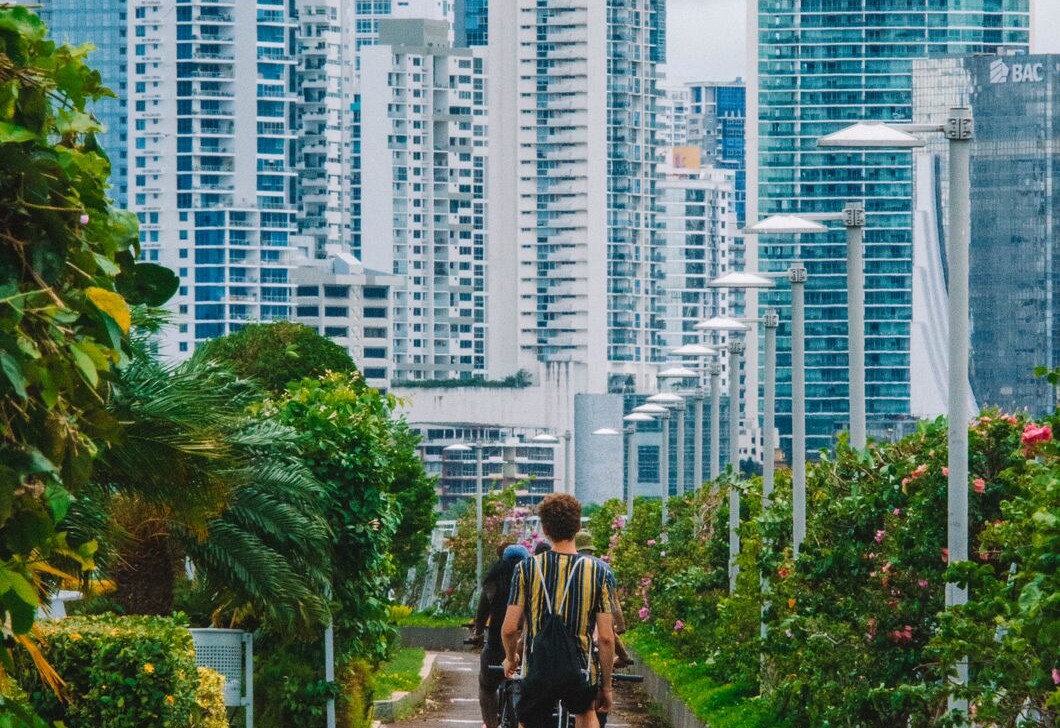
210	710
503	523
119	672
857	632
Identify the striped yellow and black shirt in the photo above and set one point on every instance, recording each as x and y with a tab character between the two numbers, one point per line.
589	595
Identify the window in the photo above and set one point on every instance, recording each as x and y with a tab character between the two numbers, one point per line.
375	352
648	463
336	331
310	311
308	291
336	311
336	291
375	373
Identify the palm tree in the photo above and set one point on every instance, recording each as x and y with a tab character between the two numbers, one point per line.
191	474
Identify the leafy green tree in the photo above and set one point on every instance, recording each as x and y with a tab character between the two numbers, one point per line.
416	497
67	277
280	353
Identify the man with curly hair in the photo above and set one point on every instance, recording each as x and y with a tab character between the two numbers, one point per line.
561	582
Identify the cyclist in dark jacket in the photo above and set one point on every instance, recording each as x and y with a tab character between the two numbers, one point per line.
493	603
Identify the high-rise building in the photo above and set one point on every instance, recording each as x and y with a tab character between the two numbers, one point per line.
211	94
349	304
817	67
321	180
671	123
716	119
574	259
698	221
472	23
423	143
361	32
1015	242
103	23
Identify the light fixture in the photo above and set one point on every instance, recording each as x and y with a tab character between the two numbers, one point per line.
871	134
638	417
694	350
786	224
742	279
608	431
651	409
666	398
721	323
677	373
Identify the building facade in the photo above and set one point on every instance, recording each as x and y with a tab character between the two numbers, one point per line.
575	263
717	114
351	305
424	217
672	120
104	24
1015	243
818	67
212	144
472	23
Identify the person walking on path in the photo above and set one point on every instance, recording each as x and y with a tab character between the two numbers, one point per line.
493	604
563	596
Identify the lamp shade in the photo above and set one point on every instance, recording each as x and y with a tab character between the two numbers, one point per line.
651	409
694	350
545	439
457	448
742	280
677	373
871	134
666	398
721	323
638	417
784	224
606	431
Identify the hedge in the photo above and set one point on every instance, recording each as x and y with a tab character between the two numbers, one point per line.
119	672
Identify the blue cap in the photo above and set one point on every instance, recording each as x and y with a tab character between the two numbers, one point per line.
516	551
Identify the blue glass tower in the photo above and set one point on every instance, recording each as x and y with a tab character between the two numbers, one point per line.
821	64
101	23
472	28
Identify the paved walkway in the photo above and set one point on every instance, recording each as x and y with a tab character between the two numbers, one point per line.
454	701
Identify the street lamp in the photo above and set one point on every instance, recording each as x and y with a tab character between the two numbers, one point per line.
459	448
633	475
679	406
797	275
546	439
697	351
677	403
959	129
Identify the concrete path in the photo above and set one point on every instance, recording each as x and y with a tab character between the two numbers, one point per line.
454	701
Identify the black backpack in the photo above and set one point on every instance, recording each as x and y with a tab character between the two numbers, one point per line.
555	665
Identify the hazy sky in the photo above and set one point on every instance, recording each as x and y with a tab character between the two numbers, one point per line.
707	39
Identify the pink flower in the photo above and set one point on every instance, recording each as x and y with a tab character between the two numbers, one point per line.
920	470
880	535
945	471
644	613
897	511
646	581
678	626
1056	676
652	542
1033	434
979	485
922	583
945	555
83	219
905	482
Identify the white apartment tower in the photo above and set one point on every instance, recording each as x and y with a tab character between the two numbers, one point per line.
574	263
423	152
321	177
211	100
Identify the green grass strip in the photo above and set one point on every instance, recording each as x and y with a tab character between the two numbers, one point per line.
719	705
402	673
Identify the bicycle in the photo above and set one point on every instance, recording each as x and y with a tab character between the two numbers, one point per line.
509	693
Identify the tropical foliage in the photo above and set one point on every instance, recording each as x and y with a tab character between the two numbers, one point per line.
857	630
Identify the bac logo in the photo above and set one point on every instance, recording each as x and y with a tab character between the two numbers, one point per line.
1001	72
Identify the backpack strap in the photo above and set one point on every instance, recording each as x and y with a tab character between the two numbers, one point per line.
544	588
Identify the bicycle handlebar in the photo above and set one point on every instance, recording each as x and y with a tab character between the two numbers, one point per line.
616	677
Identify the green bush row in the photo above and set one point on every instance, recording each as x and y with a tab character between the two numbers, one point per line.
857	632
123	672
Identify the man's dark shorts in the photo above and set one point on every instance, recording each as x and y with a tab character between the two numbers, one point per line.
536	711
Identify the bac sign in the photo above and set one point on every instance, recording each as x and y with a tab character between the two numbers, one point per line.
1001	72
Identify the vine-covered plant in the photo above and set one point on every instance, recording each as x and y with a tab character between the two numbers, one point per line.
67	279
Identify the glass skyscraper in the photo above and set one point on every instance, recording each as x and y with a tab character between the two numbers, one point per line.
1015	248
103	24
820	65
472	27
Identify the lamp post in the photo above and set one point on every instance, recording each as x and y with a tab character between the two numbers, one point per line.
959	129
679	407
669	401
797	276
632	476
696	350
715	420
